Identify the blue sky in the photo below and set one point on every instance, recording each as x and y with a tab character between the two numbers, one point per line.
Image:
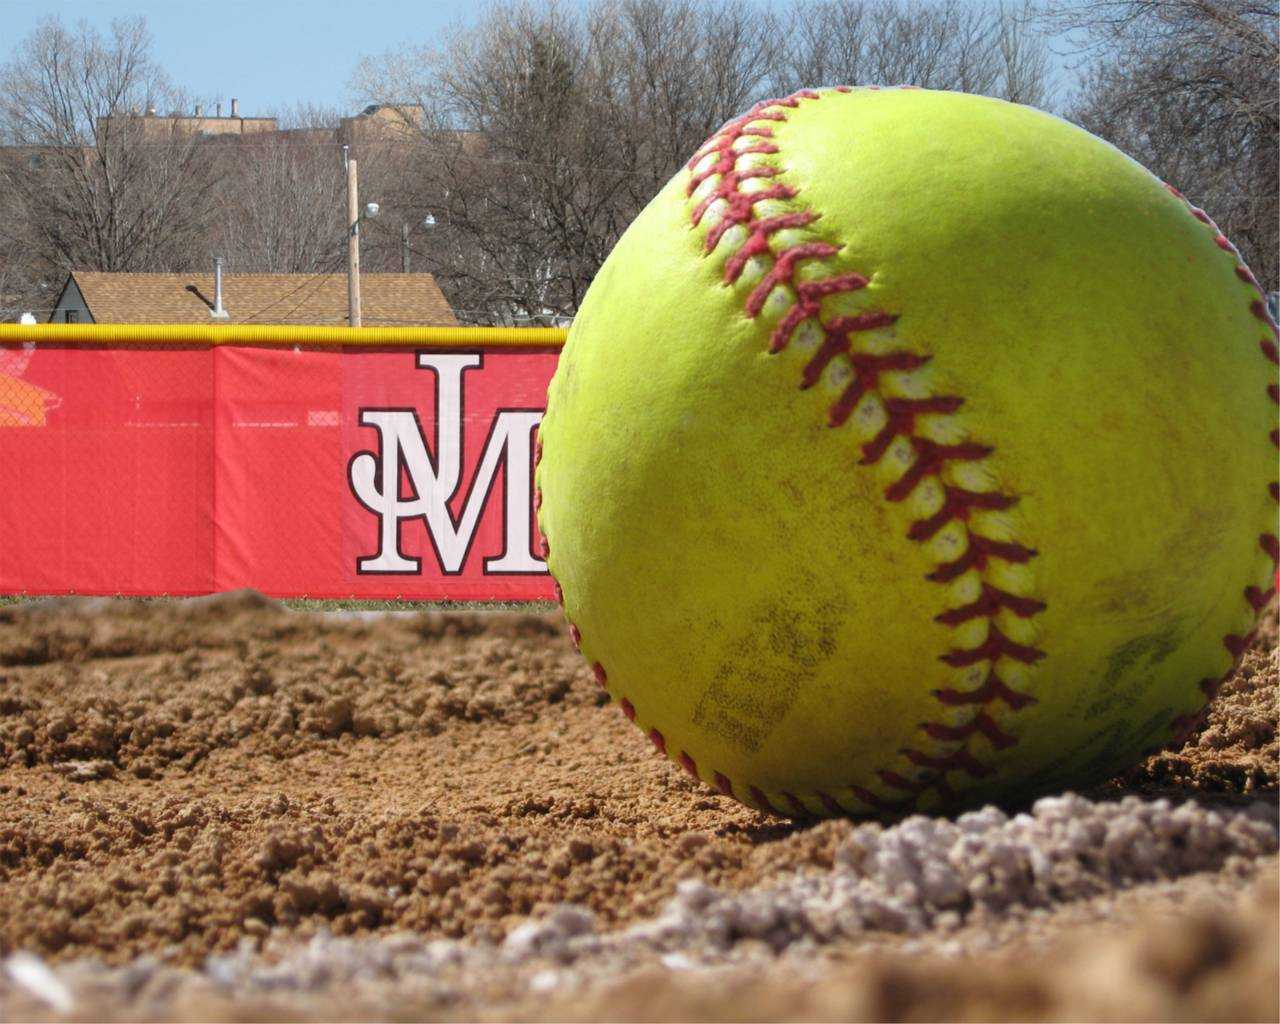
268	53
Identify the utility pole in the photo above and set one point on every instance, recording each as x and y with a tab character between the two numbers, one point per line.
353	240
404	247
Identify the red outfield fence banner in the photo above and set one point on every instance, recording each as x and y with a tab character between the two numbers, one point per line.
317	462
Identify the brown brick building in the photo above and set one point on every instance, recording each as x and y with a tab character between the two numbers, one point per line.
376	124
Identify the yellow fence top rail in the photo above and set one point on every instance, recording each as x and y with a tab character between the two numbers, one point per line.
288	335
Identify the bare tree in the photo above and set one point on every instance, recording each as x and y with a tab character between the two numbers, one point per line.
950	44
282	206
22	289
1188	87
13	289
100	184
1026	75
547	128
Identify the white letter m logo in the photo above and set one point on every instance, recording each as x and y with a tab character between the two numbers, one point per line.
433	482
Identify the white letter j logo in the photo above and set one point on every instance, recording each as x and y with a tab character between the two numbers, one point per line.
375	478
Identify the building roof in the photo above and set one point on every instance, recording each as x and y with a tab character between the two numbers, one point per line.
387	300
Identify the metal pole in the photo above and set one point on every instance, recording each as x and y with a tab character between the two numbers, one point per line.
404	247
353	242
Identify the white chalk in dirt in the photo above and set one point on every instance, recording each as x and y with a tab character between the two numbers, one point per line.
928	873
549	935
31	973
919	875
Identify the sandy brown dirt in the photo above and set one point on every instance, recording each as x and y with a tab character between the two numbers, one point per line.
181	780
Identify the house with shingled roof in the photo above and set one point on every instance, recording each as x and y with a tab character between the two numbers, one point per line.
387	300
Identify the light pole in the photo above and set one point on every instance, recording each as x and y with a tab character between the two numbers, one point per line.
428	222
354	217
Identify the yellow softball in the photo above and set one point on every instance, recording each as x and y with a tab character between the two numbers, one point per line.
912	449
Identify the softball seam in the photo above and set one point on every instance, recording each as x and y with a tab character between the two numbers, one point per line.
917	461
1255	597
859	354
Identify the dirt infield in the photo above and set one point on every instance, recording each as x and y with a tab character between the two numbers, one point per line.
221	808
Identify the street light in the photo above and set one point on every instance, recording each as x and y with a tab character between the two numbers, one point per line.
428	222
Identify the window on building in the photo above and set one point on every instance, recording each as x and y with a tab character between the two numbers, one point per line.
72	316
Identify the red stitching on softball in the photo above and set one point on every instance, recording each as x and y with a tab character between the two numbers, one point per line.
916	786
901	416
719	156
879	803
1184	726
840	331
957	505
1236	645
992	689
809	295
982	723
1211	686
980	551
758	796
1255	597
784	269
931	459
1258	598
991	601
736	207
992	649
957	760
867	369
757	241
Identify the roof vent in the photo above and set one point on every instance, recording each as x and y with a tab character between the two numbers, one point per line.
217	310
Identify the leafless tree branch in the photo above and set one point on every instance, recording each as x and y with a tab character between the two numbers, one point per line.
1189	88
547	128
